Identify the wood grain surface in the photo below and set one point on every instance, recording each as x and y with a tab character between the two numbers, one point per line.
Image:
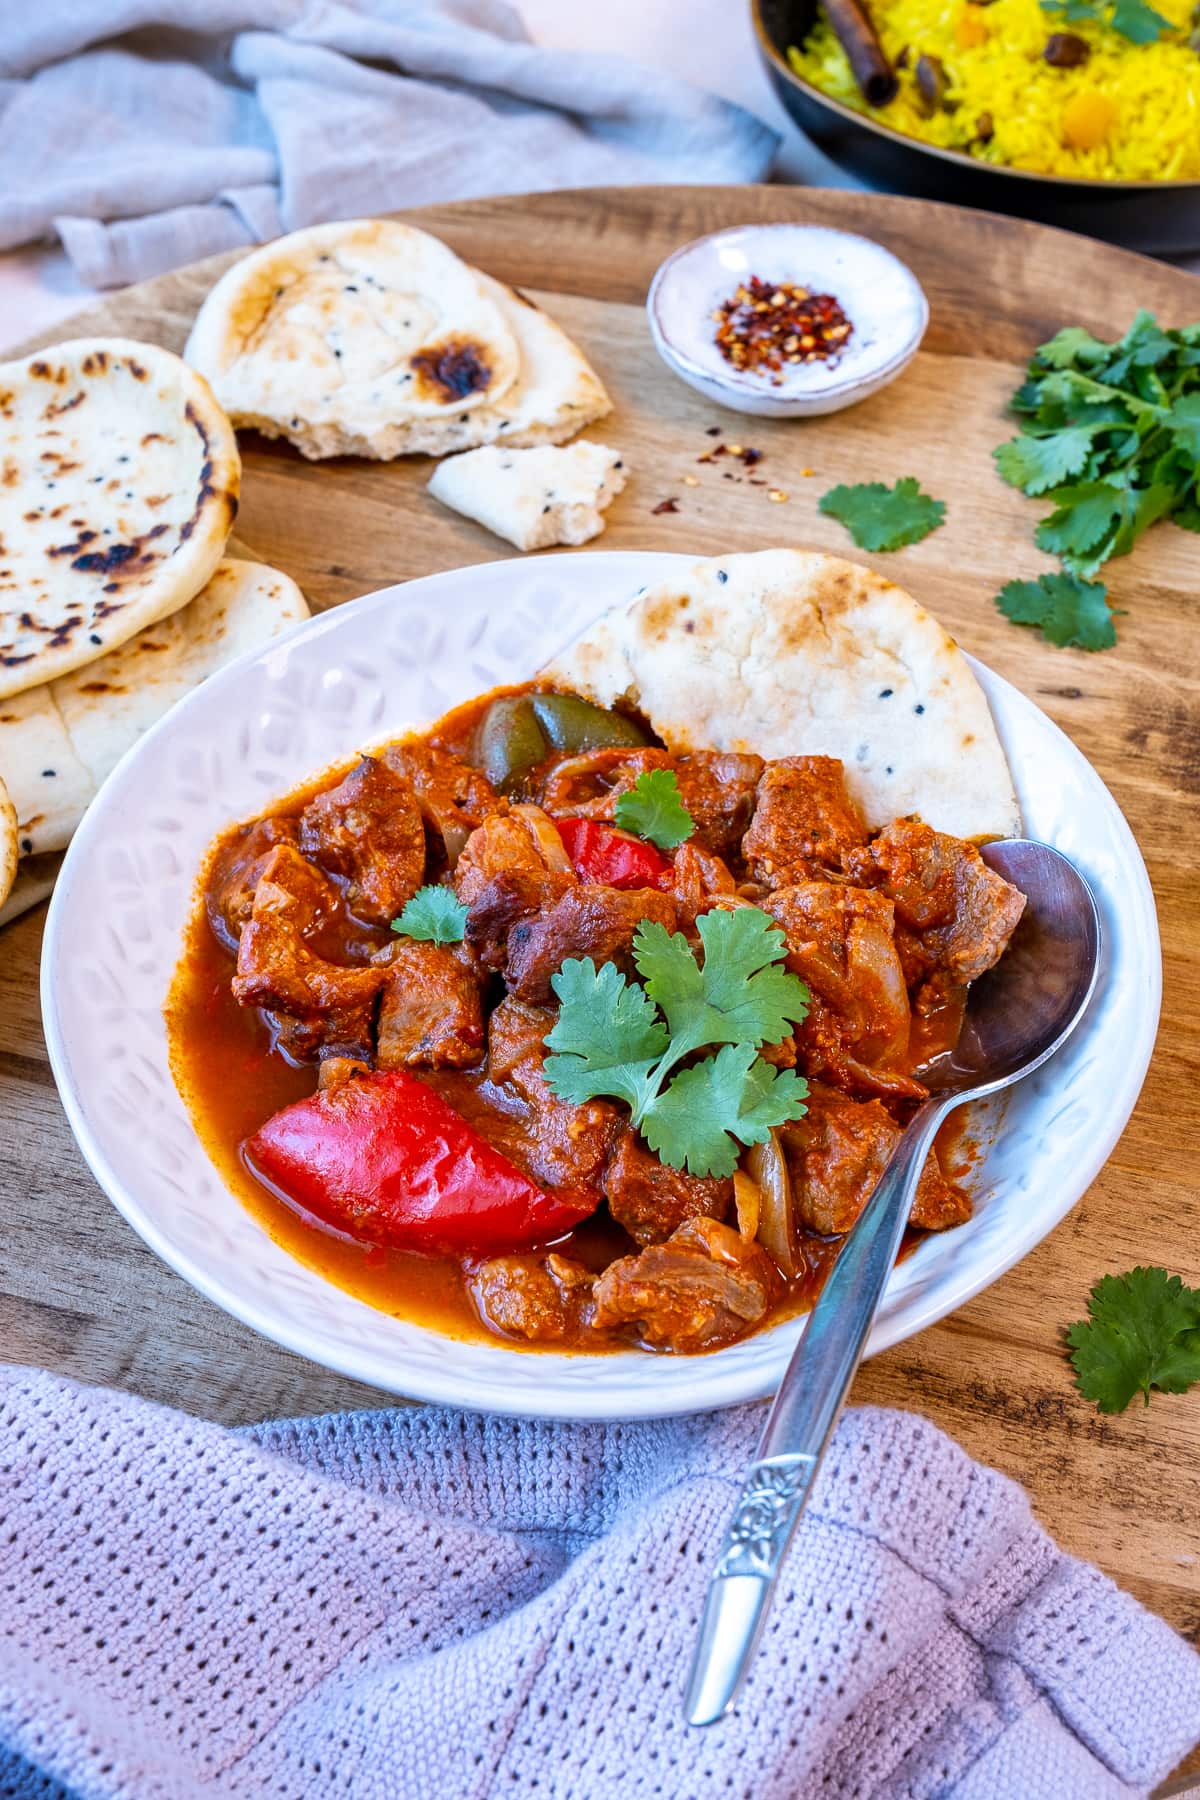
80	1294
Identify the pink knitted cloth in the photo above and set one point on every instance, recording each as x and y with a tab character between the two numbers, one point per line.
411	1604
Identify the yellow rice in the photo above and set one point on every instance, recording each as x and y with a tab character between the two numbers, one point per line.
1153	89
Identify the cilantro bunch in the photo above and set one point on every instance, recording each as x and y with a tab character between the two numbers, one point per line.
627	1039
1142	1331
1110	437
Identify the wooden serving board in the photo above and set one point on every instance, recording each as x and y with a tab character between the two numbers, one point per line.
80	1294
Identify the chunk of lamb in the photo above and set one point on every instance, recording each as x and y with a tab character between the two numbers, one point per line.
704	1287
520	841
954	915
588	920
431	1013
804	821
836	1154
369	829
511	868
453	797
316	1007
235	873
840	941
540	1298
650	1200
716	786
560	1145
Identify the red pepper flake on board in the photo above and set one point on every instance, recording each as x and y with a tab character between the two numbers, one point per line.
666	506
764	326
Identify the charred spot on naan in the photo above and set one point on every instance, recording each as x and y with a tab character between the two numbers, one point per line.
451	370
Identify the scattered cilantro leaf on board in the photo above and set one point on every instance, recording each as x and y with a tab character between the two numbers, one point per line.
434	914
1142	1332
719	1104
1066	609
653	809
620	1038
883	518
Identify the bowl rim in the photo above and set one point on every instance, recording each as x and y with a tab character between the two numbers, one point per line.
1090	185
444	1383
733	383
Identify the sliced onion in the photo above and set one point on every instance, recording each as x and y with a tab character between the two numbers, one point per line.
767	1166
541	829
747	1197
454	837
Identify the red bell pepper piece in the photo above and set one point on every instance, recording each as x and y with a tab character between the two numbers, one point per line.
602	853
383	1158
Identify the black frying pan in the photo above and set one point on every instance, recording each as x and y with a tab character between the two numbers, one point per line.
1143	215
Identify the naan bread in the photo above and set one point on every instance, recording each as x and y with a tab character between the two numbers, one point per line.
34	883
59	742
119	481
788	652
371	338
533	497
8	844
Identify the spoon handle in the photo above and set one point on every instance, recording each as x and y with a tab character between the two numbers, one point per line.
799	1427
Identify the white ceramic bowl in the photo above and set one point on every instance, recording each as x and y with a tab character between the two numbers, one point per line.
880	295
368	670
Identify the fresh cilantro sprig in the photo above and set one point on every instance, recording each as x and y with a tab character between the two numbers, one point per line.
624	1039
1067	609
1133	19
883	518
1142	1332
653	809
434	914
1110	436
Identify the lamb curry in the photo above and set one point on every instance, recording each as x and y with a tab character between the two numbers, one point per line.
360	1023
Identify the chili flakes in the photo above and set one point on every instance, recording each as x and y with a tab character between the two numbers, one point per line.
766	326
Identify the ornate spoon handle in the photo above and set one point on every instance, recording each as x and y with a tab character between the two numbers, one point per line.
799	1427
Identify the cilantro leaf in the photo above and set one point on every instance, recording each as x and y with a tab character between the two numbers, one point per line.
711	1109
607	1038
653	809
435	915
1067	610
1133	19
1072	344
1084	517
1138	22
883	518
616	1037
1142	1331
1184	426
1037	463
738	996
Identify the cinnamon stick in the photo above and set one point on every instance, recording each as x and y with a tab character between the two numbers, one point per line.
857	36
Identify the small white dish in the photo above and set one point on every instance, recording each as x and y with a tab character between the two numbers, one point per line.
354	676
879	294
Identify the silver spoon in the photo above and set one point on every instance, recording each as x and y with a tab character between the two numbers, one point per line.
1017	1015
